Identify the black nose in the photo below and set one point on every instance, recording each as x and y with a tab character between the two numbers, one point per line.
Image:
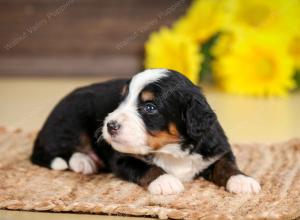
113	127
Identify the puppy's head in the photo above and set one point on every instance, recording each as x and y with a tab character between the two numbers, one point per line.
160	107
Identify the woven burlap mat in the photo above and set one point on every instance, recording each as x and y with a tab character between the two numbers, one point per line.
24	186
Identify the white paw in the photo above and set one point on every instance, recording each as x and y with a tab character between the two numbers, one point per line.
82	163
58	164
166	184
242	184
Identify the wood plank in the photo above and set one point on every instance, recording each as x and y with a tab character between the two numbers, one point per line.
43	29
113	65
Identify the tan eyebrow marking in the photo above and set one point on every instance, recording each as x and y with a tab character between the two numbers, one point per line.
147	96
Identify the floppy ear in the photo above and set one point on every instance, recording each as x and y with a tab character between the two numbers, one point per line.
200	118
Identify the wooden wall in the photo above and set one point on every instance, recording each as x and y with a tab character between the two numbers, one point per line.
79	37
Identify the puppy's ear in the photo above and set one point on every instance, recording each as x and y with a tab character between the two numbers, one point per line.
199	117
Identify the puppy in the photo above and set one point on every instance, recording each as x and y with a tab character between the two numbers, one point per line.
155	129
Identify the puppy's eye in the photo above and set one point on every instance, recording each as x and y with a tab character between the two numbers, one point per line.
150	108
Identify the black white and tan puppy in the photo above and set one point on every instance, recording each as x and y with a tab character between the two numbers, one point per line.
155	129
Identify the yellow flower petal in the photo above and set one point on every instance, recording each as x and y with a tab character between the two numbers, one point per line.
267	15
166	49
256	65
294	49
203	19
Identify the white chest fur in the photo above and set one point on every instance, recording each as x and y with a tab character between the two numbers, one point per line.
179	163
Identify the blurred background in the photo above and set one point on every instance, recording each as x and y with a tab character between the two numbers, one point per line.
239	53
79	38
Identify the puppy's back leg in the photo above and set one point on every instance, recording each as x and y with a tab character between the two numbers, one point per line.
66	131
77	156
52	152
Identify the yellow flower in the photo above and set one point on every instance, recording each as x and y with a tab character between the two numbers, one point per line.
223	44
166	49
257	65
294	35
203	19
257	15
294	50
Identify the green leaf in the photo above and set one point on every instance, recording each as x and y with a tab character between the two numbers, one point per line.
297	78
206	70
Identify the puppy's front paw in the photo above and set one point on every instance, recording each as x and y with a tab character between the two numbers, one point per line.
242	184
82	163
166	184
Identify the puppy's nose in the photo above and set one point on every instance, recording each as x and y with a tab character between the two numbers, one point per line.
113	127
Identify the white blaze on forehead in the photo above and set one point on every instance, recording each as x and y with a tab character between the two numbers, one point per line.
139	81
